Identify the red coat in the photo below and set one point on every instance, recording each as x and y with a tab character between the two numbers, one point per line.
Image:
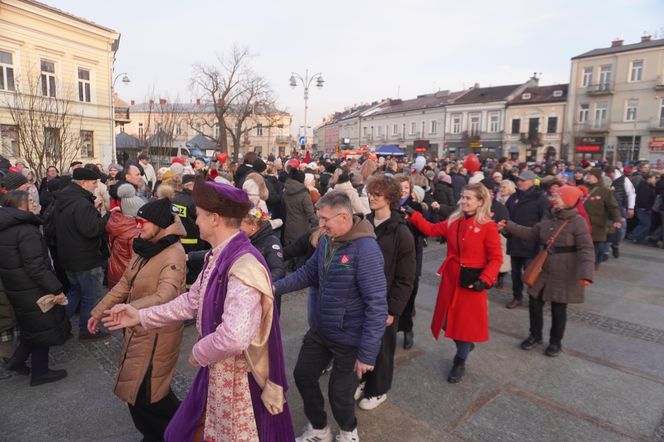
121	233
463	313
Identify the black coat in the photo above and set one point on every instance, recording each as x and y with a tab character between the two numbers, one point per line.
26	274
79	229
417	235
398	247
443	193
187	212
645	196
525	209
458	182
270	247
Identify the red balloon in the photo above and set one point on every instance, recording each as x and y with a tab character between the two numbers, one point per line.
222	157
472	163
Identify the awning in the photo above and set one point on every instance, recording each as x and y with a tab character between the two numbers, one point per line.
389	149
124	141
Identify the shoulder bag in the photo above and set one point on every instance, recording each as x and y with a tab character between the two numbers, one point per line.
534	269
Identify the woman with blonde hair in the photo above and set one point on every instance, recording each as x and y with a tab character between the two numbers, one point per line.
474	257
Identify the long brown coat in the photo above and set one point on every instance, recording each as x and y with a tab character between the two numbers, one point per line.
562	272
145	284
602	210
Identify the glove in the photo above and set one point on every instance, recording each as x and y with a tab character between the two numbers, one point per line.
585	282
479	285
407	210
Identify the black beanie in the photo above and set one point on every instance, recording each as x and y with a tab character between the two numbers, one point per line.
159	212
297	175
259	165
344	177
14	180
85	174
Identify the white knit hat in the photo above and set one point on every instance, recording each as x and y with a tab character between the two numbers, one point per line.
419	193
476	178
129	202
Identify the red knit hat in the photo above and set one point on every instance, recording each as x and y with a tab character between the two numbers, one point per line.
570	195
177	160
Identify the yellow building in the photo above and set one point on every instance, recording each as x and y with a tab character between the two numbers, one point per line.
56	74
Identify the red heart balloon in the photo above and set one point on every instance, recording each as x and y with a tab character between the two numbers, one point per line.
222	157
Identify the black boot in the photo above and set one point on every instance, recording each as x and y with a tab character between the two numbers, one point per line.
457	371
616	251
407	340
48	377
17	366
552	350
530	342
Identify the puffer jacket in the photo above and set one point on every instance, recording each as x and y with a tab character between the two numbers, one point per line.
526	209
121	232
26	275
270	247
151	352
350	307
298	210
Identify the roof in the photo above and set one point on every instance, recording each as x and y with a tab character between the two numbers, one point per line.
201	142
487	94
355	111
126	141
541	94
428	101
67	14
622	48
186	108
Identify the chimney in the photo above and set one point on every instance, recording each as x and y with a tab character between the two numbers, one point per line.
646	37
162	101
476	86
617	42
198	102
133	102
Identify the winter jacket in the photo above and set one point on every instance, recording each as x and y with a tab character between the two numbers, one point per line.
304	246
398	246
351	298
7	317
121	232
299	210
270	247
602	209
359	206
79	229
525	209
443	193
645	196
276	191
417	235
26	275
458	182
562	272
187	211
153	352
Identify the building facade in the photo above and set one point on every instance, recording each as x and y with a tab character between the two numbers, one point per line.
616	102
56	75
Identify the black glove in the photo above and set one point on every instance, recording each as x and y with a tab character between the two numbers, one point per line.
479	285
407	210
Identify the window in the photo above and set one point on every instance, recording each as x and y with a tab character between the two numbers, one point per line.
526	96
83	85
558	93
395	129
9	140
587	78
630	110
364	131
434	127
6	71
475	124
601	112
47	78
552	125
605	75
51	140
413	128
140	130
259	130
456	124
637	71
516	125
403	130
87	144
533	126
380	131
583	112
494	126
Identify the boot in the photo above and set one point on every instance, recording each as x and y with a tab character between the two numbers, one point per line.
408	340
530	342
17	366
457	371
48	377
552	350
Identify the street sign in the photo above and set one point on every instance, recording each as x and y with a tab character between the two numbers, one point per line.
303	140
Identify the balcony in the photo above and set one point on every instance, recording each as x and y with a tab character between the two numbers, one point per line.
659	84
532	138
122	115
657	125
598	127
600	89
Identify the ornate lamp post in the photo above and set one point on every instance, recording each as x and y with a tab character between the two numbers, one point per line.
306	82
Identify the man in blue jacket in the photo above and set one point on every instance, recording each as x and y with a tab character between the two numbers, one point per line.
348	316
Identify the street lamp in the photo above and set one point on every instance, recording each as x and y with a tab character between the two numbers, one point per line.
125	80
306	82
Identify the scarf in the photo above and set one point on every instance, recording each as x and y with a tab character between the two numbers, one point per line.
147	249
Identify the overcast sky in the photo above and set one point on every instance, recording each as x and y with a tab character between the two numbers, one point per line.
366	50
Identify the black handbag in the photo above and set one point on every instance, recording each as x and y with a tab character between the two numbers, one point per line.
468	275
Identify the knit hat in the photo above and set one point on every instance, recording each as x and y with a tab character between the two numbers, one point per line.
419	193
297	175
177	168
14	180
115	166
344	177
476	178
259	165
159	212
445	178
167	175
130	203
85	174
570	195
596	172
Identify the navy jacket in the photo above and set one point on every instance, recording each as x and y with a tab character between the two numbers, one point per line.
526	209
350	307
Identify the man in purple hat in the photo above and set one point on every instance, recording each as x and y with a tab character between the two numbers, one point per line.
240	340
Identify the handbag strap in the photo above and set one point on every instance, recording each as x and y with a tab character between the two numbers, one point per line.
551	240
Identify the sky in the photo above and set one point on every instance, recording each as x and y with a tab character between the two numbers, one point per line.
366	50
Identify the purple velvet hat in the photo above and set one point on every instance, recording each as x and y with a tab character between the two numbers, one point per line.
226	200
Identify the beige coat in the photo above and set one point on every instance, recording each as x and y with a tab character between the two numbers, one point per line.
155	351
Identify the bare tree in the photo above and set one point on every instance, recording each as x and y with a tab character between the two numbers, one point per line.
162	124
238	99
48	131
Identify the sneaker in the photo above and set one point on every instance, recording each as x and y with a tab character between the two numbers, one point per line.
312	435
359	391
552	350
514	303
48	377
530	342
369	403
348	436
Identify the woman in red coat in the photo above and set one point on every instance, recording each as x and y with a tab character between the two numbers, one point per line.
122	229
473	242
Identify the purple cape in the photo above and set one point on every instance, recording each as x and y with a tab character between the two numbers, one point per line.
270	427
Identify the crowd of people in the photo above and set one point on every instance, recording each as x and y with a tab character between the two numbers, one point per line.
218	244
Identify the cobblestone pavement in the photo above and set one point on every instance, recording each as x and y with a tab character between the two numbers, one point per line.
608	385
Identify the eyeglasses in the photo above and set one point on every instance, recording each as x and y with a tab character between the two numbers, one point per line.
325	220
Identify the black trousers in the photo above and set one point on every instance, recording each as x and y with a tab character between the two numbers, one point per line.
38	358
519	264
558	319
379	381
406	318
315	354
152	419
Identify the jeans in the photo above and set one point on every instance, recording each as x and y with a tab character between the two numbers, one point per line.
617	236
558	319
643	228
519	264
315	354
463	349
86	290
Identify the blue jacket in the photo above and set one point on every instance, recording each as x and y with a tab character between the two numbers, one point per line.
350	303
526	209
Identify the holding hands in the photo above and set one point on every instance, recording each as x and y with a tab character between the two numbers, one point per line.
121	316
